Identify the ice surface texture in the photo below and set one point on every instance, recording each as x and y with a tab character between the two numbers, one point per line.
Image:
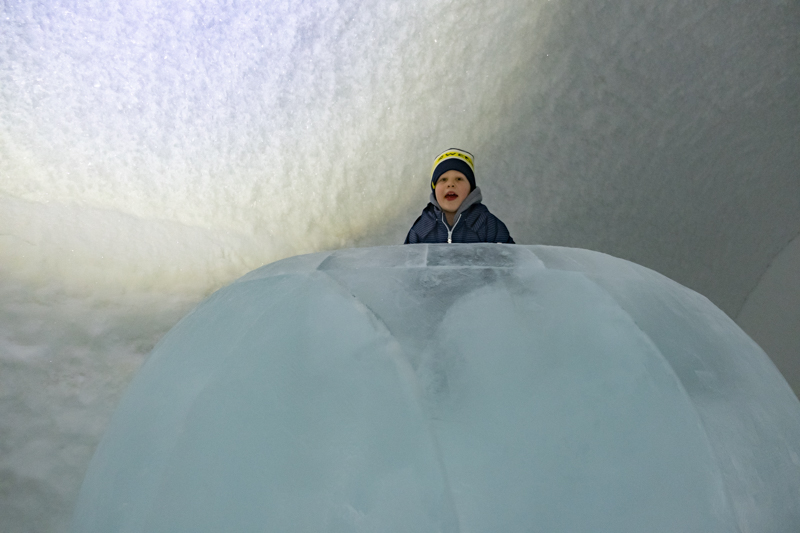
478	388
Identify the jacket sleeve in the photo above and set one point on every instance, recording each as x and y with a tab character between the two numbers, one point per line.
498	232
422	227
412	237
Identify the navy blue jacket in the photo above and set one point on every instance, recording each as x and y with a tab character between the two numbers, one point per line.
474	224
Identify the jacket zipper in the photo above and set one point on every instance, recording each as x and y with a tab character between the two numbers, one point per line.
450	230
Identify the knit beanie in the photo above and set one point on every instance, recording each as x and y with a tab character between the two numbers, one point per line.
454	159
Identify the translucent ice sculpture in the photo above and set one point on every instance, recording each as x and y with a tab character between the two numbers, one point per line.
445	388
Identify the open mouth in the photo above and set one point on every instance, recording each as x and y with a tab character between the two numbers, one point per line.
450	196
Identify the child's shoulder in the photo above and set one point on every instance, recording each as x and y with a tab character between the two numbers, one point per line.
424	225
477	211
429	212
488	227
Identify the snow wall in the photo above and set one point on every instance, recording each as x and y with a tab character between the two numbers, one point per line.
473	388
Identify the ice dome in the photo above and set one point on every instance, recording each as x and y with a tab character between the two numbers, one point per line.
477	388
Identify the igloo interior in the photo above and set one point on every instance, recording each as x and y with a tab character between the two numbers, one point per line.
152	152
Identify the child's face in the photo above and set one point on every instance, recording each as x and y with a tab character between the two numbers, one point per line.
452	188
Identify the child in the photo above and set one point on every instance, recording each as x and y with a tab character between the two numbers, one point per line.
455	212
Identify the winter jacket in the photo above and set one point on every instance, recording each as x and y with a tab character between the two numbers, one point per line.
473	223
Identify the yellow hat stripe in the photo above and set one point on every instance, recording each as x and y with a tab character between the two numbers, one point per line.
454	154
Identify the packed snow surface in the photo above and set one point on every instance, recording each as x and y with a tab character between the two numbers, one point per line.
476	388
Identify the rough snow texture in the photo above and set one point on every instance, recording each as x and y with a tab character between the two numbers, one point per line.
154	151
65	360
476	388
230	134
